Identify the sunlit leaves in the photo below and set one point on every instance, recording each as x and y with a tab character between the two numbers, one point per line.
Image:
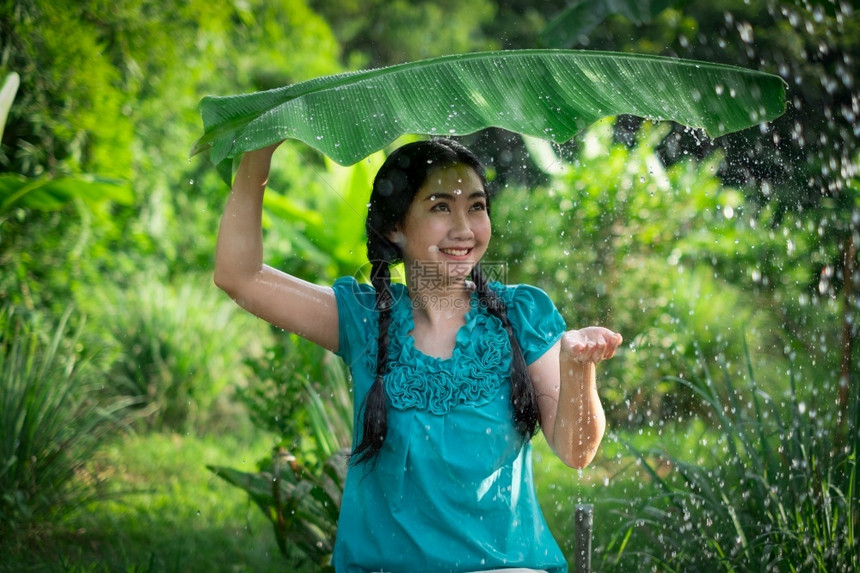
48	194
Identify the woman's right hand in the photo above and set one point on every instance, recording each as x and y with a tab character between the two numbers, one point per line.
269	150
254	167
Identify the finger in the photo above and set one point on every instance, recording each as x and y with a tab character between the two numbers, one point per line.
613	341
592	352
574	343
600	349
611	347
591	344
581	352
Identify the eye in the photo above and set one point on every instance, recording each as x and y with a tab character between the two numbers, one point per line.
440	207
479	206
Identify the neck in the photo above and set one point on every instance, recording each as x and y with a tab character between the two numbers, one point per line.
439	303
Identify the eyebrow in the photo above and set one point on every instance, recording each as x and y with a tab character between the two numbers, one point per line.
450	196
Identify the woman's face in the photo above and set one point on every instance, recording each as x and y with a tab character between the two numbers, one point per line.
447	229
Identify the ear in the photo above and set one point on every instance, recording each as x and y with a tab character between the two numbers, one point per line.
395	236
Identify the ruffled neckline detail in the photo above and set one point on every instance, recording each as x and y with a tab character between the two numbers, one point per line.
472	375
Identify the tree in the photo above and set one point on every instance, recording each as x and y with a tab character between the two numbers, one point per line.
112	90
376	33
799	173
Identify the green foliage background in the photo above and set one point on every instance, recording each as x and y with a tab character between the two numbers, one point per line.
696	250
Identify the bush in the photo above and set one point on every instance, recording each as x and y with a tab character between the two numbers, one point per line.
304	395
781	496
294	381
303	505
173	348
616	238
52	421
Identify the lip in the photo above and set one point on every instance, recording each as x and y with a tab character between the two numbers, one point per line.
457	253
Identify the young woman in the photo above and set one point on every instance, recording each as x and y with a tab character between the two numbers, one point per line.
452	374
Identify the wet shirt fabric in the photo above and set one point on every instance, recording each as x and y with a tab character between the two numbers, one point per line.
452	488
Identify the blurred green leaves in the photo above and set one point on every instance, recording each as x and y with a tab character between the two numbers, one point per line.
324	214
49	194
7	96
302	505
580	17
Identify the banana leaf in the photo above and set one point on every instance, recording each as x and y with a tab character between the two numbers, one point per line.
550	94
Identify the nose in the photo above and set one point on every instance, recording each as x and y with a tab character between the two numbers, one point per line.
461	230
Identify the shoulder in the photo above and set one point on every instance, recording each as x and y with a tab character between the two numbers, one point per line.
524	296
536	321
351	284
351	293
355	305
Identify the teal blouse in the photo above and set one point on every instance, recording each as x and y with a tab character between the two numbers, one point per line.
452	488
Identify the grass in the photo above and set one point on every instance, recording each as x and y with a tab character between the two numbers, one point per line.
168	513
767	485
159	349
51	421
613	484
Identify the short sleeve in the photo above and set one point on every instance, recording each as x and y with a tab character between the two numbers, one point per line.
536	321
356	318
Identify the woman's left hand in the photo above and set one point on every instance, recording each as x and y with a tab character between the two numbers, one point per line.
591	344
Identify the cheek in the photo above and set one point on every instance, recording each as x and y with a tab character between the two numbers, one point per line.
420	229
484	229
434	228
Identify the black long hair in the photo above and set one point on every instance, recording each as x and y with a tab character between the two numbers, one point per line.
395	185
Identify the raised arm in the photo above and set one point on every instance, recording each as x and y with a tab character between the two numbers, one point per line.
572	417
283	300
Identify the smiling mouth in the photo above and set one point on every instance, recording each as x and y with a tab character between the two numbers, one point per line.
456	252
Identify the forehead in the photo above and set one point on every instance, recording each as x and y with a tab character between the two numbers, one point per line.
456	179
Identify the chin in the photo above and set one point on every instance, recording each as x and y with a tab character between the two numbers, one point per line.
460	270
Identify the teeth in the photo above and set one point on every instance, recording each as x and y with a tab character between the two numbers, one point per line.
455	252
